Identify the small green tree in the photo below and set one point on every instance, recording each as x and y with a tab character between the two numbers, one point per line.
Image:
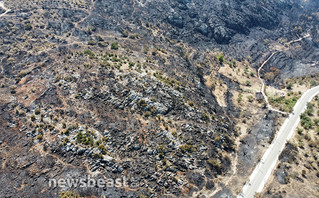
221	58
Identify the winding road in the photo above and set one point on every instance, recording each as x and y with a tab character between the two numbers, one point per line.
268	162
263	87
263	170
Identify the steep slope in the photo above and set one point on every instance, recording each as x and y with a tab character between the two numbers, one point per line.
147	90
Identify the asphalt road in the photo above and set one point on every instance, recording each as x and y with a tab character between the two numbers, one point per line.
260	175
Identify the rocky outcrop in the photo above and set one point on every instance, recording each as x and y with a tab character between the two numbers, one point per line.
217	20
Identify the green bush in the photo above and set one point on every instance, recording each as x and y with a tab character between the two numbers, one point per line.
125	33
289	86
85	139
299	130
306	121
240	98
215	164
103	44
92	42
33	118
188	148
27	26
39	137
134	36
115	46
102	148
313	83
89	52
131	64
37	111
310	110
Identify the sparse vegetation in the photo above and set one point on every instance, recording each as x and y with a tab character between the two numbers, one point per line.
85	138
188	148
285	104
158	102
